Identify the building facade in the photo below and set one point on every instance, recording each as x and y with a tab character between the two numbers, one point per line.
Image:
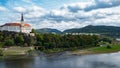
17	27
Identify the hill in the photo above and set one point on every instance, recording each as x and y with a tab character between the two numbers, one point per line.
95	29
48	30
111	31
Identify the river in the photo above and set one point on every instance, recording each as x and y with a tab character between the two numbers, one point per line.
111	60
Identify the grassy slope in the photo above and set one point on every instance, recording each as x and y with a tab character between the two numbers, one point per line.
113	48
97	50
16	51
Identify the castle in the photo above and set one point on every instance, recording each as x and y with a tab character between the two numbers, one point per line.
17	27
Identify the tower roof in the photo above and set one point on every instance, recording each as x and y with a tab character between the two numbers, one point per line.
22	17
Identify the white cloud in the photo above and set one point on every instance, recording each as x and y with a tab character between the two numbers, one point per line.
31	11
65	19
75	15
35	12
59	12
3	8
91	5
19	9
74	7
60	26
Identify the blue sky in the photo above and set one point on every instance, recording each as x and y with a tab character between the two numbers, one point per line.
61	14
47	4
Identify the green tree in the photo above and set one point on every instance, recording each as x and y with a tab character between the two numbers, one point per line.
106	39
19	40
1	38
9	42
33	31
29	40
39	43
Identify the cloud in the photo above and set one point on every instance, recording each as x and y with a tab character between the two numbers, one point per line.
61	25
35	12
75	7
19	9
74	15
107	3
65	19
91	5
3	8
31	11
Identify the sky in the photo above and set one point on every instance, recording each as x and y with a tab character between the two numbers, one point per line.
61	14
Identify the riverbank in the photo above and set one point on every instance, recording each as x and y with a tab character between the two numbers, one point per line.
97	50
93	50
14	50
11	51
87	51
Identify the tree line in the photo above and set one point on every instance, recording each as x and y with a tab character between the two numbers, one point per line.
15	39
50	41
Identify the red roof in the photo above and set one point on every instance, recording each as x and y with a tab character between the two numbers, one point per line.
16	24
26	24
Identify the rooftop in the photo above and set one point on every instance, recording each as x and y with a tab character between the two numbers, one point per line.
16	24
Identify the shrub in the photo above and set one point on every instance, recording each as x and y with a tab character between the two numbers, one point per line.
108	47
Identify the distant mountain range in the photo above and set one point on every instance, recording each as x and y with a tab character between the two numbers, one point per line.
87	29
94	29
48	30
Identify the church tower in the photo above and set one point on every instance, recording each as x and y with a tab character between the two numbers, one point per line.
22	18
22	22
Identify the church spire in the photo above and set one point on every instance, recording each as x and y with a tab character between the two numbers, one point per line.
22	17
22	20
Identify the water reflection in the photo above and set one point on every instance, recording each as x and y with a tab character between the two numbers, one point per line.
17	63
64	61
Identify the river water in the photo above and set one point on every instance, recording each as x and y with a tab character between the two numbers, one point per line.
111	60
